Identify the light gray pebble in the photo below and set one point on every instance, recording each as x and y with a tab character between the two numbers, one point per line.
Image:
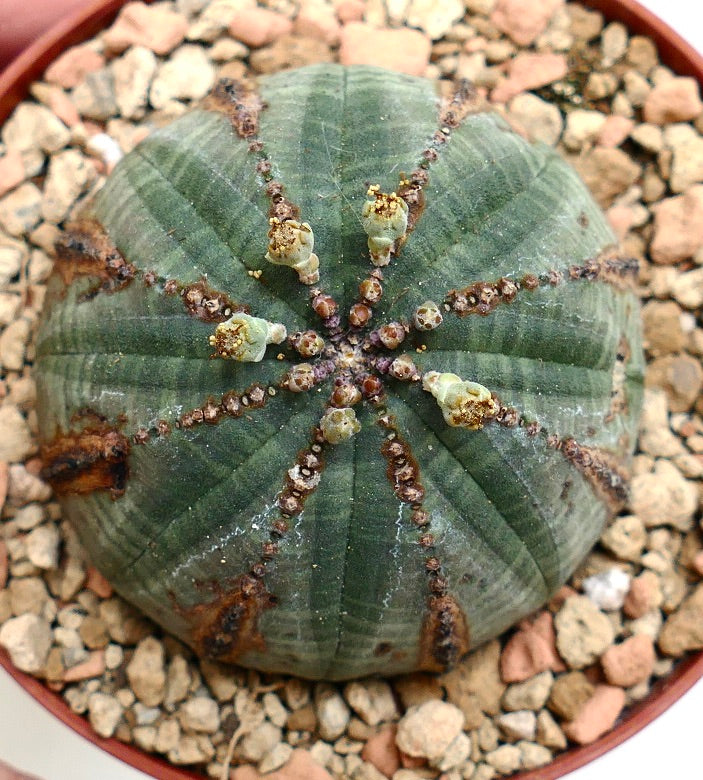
215	19
549	732
13	344
274	709
104	712
275	758
33	126
530	694
68	177
177	681
533	755
28	594
200	713
29	516
133	73
364	770
505	759
12	253
607	589
260	741
583	632
146	673
458	751
114	655
428	729
95	96
43	546
188	74
20	210
144	715
191	750
167	735
27	638
521	724
10	306
625	537
25	487
372	700
614	40
145	737
648	136
332	712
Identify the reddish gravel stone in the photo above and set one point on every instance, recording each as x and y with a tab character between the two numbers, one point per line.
94	666
530	71
404	50
643	596
315	20
11	171
524	20
98	584
350	10
381	751
300	766
678	226
71	67
258	27
245	772
615	130
140	25
597	715
676	100
629	663
531	650
4	566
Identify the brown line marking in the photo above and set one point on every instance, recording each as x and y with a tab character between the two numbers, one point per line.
618	397
230	404
78	463
484	297
444	635
240	104
452	112
84	249
227	626
601	470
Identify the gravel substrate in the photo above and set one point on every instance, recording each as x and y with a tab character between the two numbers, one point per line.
633	129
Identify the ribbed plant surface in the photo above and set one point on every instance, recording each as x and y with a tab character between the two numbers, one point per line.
221	495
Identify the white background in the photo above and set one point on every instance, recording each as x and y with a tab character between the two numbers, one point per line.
35	741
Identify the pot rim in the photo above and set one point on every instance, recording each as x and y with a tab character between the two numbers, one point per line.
81	25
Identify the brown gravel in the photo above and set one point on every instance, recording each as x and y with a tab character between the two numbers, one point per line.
633	129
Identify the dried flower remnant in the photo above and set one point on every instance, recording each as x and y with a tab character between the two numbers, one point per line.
244	338
464	404
385	219
291	243
339	425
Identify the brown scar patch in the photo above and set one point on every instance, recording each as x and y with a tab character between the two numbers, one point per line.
601	470
84	249
86	461
444	636
227	626
239	104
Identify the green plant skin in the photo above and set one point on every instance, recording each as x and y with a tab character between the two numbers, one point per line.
511	516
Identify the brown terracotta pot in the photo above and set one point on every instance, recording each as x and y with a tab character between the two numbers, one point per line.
78	27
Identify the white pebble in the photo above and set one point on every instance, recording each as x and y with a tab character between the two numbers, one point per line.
607	589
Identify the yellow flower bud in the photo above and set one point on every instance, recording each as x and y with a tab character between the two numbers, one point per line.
385	219
291	243
463	404
244	338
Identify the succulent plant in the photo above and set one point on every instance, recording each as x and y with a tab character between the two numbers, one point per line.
338	377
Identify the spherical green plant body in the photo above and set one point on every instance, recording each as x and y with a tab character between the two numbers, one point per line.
337	377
